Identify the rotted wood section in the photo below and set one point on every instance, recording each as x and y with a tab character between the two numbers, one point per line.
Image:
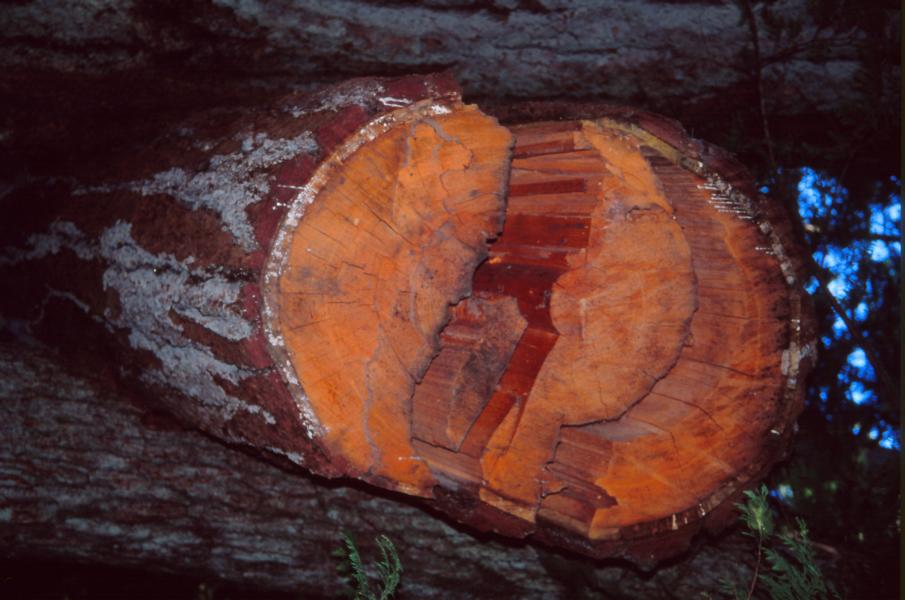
574	326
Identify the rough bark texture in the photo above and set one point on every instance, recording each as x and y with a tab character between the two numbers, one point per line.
618	48
90	476
690	60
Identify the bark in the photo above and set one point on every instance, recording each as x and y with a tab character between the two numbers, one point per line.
88	475
694	61
615	49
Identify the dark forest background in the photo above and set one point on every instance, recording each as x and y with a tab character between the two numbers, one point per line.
81	80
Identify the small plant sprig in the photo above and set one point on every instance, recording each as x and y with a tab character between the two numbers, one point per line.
389	568
793	573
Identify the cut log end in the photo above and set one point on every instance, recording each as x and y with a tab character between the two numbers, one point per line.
577	327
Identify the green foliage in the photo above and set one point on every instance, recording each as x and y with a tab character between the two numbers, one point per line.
756	513
839	478
793	572
389	568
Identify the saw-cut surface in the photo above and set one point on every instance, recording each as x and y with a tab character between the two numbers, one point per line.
570	328
389	242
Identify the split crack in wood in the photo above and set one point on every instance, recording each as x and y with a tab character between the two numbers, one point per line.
536	318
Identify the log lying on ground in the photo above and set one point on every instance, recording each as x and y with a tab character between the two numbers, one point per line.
88	477
587	331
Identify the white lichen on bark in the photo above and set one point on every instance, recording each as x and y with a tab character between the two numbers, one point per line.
338	97
227	185
150	287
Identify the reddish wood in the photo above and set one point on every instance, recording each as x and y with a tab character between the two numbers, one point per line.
595	337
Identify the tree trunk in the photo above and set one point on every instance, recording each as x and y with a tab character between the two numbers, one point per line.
627	359
694	60
88	476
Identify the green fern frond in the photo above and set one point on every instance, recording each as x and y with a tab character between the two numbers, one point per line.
793	573
731	589
389	568
756	513
356	572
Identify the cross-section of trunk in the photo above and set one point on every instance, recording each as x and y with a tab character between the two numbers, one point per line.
587	330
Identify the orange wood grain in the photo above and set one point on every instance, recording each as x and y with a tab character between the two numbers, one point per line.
388	244
575	330
620	309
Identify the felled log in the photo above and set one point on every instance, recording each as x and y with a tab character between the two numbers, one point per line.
588	331
88	477
694	57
